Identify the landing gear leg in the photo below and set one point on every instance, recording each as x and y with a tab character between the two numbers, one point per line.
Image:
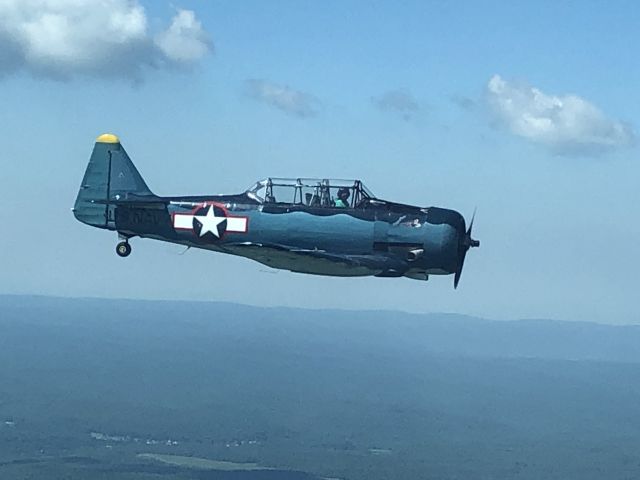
123	249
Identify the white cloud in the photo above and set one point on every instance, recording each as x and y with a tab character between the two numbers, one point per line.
398	101
283	97
567	124
64	38
184	40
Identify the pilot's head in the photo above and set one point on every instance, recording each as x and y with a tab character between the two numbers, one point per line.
343	194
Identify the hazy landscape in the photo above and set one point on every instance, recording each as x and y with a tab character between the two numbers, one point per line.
182	390
128	122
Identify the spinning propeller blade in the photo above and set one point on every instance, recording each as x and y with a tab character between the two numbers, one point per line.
465	242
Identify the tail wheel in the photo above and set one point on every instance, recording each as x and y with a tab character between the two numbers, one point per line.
123	249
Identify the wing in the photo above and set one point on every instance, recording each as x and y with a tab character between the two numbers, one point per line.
317	262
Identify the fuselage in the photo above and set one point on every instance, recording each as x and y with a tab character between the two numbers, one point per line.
410	239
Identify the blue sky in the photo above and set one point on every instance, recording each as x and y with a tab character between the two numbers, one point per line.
528	111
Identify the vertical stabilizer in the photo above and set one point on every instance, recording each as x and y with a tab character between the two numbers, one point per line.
110	176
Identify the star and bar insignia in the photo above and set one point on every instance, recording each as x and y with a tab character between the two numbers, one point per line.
210	222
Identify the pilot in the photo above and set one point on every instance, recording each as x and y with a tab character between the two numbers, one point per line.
343	198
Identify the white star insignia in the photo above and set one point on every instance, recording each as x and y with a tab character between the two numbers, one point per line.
210	222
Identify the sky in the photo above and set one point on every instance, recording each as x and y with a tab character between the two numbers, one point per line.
527	111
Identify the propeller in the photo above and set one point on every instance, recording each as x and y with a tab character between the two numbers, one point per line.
464	244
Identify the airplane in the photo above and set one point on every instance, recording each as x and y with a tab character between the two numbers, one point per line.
314	226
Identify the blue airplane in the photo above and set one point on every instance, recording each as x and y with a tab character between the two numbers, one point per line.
315	226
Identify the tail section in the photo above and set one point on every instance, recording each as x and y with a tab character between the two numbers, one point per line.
110	177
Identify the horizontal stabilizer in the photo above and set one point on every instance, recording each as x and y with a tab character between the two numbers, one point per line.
152	202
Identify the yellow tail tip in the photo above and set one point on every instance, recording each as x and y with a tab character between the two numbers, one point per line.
108	138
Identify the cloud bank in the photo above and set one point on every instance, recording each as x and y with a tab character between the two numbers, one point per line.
284	98
399	102
566	124
65	38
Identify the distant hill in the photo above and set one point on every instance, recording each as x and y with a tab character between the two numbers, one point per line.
437	333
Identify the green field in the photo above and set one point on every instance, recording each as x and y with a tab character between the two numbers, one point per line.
202	463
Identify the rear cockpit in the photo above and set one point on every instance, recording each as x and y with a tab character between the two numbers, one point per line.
311	192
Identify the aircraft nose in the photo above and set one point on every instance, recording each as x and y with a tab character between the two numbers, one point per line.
450	228
455	242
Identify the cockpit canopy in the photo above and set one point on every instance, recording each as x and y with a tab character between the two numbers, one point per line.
312	192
